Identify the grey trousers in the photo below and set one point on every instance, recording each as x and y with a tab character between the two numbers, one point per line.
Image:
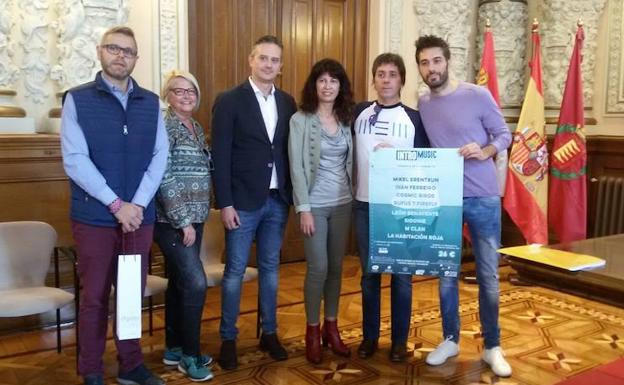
324	252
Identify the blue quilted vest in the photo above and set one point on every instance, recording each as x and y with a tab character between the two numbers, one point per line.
121	144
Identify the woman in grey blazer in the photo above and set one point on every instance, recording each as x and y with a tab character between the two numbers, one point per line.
320	150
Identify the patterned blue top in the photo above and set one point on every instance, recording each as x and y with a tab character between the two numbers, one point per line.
184	194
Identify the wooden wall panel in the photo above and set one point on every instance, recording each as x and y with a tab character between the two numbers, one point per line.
33	184
606	158
222	33
297	32
331	39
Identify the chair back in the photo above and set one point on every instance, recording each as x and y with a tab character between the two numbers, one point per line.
25	251
213	239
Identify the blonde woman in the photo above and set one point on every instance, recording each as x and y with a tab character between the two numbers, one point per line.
182	206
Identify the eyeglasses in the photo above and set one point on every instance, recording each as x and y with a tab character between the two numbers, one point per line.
372	120
184	91
114	49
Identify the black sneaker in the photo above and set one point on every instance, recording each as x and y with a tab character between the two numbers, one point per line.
367	348
94	379
139	376
227	356
270	343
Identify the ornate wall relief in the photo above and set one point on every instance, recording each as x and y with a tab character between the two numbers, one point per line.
394	25
558	30
9	72
453	20
35	64
509	27
79	27
615	74
8	69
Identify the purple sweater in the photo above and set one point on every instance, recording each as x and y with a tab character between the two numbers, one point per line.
468	114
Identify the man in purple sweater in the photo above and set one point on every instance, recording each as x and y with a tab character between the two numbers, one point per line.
465	116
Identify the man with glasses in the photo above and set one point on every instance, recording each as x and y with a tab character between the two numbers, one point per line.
465	116
250	126
385	122
115	150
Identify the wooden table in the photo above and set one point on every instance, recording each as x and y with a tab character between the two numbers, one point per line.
605	284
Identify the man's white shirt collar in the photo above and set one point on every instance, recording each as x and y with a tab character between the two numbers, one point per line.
258	91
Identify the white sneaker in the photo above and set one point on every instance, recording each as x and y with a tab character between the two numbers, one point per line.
495	357
443	352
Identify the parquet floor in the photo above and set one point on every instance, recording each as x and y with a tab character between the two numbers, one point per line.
548	337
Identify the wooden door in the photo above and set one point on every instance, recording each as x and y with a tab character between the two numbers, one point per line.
221	34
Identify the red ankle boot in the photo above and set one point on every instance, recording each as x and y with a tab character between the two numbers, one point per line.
313	343
331	337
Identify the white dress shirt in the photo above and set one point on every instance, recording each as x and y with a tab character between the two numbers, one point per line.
268	108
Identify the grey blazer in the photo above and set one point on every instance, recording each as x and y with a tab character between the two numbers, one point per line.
304	152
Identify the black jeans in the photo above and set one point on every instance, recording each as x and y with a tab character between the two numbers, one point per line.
186	291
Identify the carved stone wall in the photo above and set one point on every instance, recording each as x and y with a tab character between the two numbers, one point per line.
615	72
558	29
508	19
48	46
78	29
394	23
169	42
8	69
455	21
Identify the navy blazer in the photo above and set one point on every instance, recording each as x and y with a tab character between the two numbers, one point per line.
242	153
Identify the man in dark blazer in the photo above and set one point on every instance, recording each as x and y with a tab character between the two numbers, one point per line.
250	127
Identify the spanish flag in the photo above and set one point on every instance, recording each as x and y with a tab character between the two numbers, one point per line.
526	192
568	190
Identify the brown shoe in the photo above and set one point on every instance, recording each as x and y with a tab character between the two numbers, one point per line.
331	337
313	343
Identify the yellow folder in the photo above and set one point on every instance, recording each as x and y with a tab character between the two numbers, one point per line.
551	257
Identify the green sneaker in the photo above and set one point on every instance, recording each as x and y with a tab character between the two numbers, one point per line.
172	357
195	372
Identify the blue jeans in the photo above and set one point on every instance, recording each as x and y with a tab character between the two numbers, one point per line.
265	225
400	288
483	216
186	289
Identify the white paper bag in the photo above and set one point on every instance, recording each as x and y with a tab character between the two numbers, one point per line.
128	292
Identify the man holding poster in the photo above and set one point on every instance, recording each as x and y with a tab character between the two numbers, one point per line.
384	123
465	116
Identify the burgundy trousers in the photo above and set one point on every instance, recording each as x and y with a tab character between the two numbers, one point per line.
98	248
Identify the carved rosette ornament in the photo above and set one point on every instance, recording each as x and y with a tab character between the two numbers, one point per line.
508	19
558	30
454	21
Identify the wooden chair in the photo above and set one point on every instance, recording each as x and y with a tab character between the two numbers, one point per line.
211	253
